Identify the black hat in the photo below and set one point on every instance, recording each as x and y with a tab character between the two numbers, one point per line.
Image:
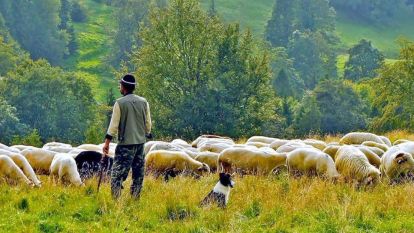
128	79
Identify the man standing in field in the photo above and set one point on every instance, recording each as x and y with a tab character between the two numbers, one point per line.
131	120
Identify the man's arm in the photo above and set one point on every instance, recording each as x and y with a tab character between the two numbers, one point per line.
113	127
148	123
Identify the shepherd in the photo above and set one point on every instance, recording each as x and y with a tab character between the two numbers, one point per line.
131	121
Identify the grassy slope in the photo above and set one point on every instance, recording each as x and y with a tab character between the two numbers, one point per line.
257	204
94	35
94	41
254	14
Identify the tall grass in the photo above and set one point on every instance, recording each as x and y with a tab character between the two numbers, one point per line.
257	204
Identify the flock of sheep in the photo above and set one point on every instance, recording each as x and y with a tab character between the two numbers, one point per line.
359	157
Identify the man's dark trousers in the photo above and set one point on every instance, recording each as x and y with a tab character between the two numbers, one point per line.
127	157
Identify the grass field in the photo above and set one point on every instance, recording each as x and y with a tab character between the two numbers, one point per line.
93	37
274	203
257	204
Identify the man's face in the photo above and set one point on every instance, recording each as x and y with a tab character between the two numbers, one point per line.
121	89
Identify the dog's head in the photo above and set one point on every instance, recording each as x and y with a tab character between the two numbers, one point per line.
225	179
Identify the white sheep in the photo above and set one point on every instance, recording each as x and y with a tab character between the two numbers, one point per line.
39	159
311	161
64	167
213	146
23	164
57	144
381	146
180	142
318	144
359	138
211	138
352	164
258	161
23	147
278	143
396	163
161	161
331	150
10	171
97	148
399	141
148	145
258	144
290	146
173	147
11	149
262	139
386	140
209	158
372	157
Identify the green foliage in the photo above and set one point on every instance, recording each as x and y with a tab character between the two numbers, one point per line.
313	56
307	115
285	81
78	13
66	24
8	57
128	14
378	10
281	25
31	139
60	105
393	89
363	61
340	107
9	122
332	107
202	76
34	24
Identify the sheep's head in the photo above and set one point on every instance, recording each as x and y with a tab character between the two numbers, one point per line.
203	168
404	161
373	177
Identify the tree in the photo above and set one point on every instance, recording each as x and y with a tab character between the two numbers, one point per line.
286	80
34	25
340	106
363	61
8	57
66	24
375	11
281	25
128	15
332	107
203	76
307	116
78	13
58	115
10	124
313	57
393	90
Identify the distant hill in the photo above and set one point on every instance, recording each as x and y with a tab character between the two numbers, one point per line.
94	35
255	14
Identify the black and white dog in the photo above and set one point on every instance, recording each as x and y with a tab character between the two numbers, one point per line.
220	192
89	164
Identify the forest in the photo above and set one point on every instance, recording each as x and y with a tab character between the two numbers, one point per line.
205	69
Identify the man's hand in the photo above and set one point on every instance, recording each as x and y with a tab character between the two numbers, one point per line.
105	149
148	136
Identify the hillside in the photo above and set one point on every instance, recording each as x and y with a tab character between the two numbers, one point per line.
94	35
254	15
